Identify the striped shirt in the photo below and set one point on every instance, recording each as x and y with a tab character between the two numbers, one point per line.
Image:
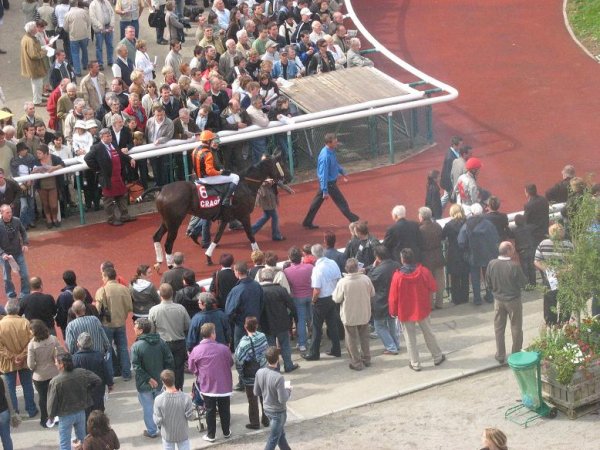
91	325
244	352
172	410
552	253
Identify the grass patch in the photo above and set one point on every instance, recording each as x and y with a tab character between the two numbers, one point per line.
584	17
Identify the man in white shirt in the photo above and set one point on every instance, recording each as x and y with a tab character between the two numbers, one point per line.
324	279
222	14
102	17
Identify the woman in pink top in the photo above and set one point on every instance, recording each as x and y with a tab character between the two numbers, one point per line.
298	275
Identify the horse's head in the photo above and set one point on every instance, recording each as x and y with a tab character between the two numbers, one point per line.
274	167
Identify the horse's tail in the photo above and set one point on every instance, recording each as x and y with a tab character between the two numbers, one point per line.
147	192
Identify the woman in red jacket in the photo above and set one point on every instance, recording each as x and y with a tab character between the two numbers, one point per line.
410	301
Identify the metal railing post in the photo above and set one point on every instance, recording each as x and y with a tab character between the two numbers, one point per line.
186	172
429	123
79	199
391	137
290	152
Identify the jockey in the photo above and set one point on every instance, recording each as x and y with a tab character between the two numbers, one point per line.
204	165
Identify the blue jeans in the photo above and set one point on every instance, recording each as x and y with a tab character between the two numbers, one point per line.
119	336
183	445
79	55
5	430
9	286
284	345
277	433
146	399
26	384
268	214
108	39
200	226
66	424
258	147
27	213
304	317
476	284
387	329
179	8
135	24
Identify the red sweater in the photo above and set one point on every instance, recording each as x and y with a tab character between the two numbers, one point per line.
410	294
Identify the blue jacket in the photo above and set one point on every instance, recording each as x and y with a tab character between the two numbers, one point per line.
216	317
479	238
292	70
244	300
328	168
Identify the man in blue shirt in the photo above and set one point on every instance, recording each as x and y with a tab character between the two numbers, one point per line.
328	170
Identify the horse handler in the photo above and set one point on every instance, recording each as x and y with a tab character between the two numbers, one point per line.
111	163
328	170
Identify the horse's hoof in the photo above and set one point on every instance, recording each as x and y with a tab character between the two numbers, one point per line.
209	261
170	266
157	267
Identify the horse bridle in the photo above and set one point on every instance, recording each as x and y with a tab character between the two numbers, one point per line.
279	169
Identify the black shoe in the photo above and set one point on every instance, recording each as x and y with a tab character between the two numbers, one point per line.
265	422
162	42
32	225
194	238
333	354
291	369
101	68
280	238
2	52
309	357
310	226
252	427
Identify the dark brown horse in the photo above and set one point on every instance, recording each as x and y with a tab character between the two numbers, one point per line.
176	200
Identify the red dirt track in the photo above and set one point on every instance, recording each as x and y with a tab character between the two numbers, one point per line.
526	105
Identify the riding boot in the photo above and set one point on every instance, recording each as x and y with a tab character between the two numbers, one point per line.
227	199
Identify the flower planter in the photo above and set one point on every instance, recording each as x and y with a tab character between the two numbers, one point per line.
579	397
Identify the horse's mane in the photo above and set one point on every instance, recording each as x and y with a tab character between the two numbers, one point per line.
253	168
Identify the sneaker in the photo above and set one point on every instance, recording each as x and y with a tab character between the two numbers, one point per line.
301	348
50	423
147	434
228	435
207	438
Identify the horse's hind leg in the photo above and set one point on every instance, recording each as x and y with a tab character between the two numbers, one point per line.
157	237
213	244
172	230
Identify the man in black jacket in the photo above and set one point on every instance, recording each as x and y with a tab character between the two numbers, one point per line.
62	69
10	192
537	213
88	358
381	276
108	160
223	280
38	305
403	234
559	193
446	180
69	395
275	318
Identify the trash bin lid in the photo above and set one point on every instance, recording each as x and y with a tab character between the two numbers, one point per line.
523	360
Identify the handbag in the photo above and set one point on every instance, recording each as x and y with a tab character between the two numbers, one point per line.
156	19
250	367
105	310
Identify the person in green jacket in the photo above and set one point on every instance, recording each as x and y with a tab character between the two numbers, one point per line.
150	355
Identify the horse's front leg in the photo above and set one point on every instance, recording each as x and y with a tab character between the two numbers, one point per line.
157	237
215	241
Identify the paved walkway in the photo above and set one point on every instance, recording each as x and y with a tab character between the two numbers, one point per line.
321	388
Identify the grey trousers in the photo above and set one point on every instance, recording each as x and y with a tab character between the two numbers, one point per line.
514	310
409	329
357	344
119	202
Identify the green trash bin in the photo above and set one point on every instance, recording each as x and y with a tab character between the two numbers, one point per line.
527	370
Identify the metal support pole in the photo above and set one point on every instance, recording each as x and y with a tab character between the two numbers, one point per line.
186	171
372	135
429	122
415	124
290	155
79	199
391	137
